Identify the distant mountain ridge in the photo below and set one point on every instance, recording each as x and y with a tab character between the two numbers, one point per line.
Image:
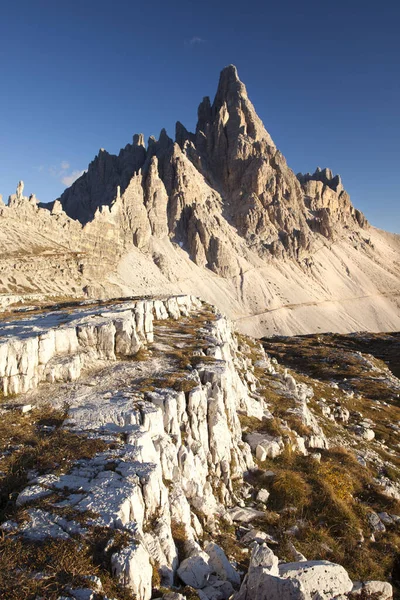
218	213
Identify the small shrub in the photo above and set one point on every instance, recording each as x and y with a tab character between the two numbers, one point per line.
183	384
141	355
190	593
297	424
290	489
341	482
180	537
392	473
156	577
364	595
253	424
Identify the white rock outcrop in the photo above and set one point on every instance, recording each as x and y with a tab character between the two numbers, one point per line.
56	346
220	564
181	450
131	566
305	580
195	570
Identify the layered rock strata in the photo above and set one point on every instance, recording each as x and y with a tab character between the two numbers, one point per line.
56	346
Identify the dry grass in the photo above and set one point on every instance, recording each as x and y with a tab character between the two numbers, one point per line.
156	578
297	425
190	593
43	570
174	381
289	489
328	357
142	355
228	542
364	595
267	426
32	570
180	537
196	361
25	445
333	498
180	340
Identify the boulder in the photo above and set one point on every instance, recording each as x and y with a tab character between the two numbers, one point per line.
221	565
244	514
195	570
385	518
314	580
131	566
365	433
376	523
255	535
308	580
264	445
262	556
263	495
382	589
217	590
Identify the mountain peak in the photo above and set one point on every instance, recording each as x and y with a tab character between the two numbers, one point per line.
229	73
230	89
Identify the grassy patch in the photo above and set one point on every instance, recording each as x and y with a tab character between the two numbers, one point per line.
297	424
333	499
142	355
37	441
190	593
254	425
289	489
174	381
45	569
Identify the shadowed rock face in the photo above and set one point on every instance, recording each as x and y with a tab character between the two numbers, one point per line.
98	186
229	170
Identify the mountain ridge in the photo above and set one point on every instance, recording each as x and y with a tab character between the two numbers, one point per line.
219	214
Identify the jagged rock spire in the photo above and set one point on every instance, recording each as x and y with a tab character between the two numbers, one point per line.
20	189
138	140
230	88
233	109
324	175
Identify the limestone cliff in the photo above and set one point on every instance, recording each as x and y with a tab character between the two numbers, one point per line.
217	213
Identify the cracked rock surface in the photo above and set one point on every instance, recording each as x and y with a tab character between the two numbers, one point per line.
204	453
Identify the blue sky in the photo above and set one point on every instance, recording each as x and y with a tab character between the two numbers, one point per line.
324	78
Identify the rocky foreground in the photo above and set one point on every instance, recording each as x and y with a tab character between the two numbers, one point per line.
149	451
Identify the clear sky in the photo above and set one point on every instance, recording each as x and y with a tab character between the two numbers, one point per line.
324	77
